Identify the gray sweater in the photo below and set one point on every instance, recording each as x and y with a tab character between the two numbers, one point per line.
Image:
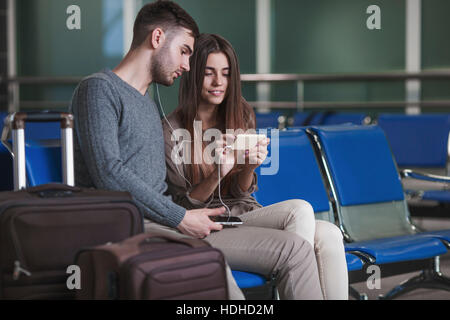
119	144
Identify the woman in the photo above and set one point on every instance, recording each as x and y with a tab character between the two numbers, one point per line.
211	104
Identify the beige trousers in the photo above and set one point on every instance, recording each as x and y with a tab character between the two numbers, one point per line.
297	216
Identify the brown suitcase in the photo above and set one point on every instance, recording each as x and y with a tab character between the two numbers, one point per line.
153	266
42	228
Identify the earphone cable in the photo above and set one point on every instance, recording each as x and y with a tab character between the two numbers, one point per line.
179	148
220	196
172	132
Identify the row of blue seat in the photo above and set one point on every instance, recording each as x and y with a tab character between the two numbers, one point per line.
421	142
349	176
417	141
276	119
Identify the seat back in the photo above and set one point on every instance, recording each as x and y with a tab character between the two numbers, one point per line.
298	176
42	131
43	162
418	140
267	120
341	118
43	153
366	184
306	118
327	118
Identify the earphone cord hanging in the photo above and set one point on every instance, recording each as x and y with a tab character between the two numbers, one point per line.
177	153
220	196
168	122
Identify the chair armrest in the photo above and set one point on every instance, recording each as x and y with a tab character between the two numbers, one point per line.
407	173
366	258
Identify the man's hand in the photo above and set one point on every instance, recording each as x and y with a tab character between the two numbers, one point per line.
196	223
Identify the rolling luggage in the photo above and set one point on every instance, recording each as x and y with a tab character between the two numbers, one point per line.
43	227
153	266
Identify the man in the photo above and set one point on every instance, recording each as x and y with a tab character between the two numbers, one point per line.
119	145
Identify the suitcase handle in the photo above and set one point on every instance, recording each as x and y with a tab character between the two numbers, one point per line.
144	238
15	122
19	118
53	190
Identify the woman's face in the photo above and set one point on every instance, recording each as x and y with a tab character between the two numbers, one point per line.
215	83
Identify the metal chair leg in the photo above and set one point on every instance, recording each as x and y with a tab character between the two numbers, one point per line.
355	294
430	278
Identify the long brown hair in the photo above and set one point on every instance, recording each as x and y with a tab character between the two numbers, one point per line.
233	113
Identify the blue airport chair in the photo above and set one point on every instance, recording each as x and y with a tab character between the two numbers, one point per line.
268	120
371	206
417	141
437	195
297	163
420	143
302	119
248	280
342	118
42	131
39	154
255	286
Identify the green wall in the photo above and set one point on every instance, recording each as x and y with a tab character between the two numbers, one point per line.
435	46
321	36
332	37
46	47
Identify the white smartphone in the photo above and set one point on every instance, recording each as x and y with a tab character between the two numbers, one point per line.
247	141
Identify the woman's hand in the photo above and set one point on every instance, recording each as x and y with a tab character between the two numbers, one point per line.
224	154
255	156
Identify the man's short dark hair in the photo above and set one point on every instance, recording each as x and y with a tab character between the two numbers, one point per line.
164	14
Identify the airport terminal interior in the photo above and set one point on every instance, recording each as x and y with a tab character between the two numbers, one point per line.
354	95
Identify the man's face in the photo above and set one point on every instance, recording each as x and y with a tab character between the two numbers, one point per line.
172	58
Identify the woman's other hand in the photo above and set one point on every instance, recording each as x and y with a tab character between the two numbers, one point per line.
255	156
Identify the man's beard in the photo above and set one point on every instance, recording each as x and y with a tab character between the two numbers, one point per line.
159	68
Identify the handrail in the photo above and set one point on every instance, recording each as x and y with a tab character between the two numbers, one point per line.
43	80
278	77
300	79
287	104
265	77
350	104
